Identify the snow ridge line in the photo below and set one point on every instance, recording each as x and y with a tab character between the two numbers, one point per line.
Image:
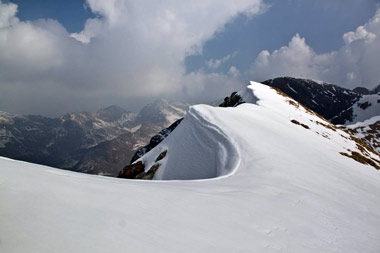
209	134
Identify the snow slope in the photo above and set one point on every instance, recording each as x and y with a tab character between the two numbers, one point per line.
273	185
368	131
367	107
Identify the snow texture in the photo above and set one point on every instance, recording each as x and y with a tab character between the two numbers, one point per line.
365	123
264	184
367	107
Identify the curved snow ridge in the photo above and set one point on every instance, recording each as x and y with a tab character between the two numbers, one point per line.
228	157
197	150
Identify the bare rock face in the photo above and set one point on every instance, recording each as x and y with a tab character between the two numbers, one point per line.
132	171
331	101
137	170
155	140
161	156
232	101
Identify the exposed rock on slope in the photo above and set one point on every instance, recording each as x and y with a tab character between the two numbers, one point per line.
338	105
232	101
368	131
155	140
137	170
331	101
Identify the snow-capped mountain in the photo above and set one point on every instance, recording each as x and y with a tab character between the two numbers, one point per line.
75	140
268	175
162	111
368	131
336	104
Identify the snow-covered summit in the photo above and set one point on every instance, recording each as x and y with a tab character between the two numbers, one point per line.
268	124
278	178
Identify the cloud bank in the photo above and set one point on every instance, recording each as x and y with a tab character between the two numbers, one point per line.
355	64
131	50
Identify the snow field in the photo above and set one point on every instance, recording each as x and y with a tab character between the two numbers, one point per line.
264	184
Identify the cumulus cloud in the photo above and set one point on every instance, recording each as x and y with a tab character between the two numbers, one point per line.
130	49
360	34
354	64
296	59
233	71
215	63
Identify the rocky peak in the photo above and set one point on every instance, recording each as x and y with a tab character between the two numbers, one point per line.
161	111
112	113
376	90
329	100
361	90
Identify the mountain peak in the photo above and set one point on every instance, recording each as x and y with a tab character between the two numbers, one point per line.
162	110
112	109
329	100
112	113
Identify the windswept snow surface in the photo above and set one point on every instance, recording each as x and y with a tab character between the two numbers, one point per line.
279	186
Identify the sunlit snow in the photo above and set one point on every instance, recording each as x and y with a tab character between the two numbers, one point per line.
265	184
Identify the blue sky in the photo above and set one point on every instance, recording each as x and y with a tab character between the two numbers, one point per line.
71	13
76	55
321	22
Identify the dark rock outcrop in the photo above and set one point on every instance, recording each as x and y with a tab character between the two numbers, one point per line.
331	101
155	140
361	91
132	171
232	101
137	170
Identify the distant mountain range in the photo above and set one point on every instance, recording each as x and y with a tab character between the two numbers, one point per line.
104	142
95	143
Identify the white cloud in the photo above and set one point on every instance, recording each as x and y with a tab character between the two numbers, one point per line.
199	85
233	71
355	64
360	34
131	49
215	63
28	48
7	14
296	59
